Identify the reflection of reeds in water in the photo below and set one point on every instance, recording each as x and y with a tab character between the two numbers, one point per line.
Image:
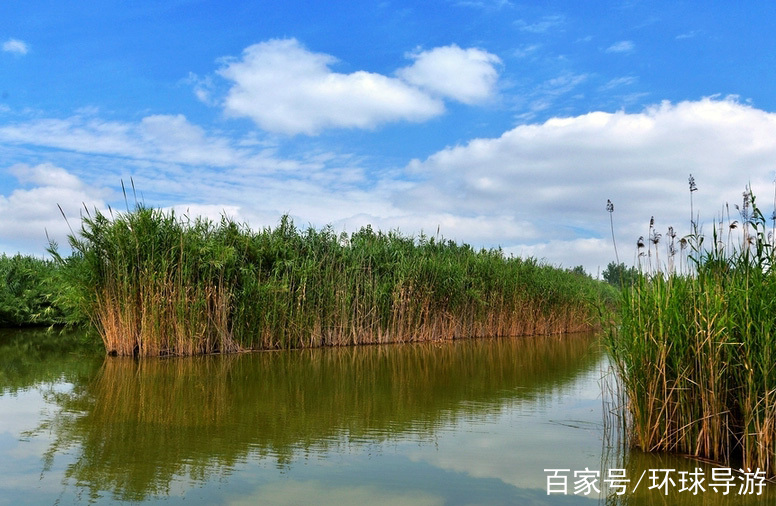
157	285
695	352
140	424
639	468
30	357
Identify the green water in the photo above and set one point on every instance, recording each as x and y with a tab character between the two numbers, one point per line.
464	422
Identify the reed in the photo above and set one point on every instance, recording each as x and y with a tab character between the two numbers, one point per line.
28	288
156	284
695	351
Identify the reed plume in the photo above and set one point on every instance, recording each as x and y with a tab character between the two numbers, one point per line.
695	351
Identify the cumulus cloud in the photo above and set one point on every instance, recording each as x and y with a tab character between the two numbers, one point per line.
556	176
15	46
284	87
623	46
30	212
538	189
465	75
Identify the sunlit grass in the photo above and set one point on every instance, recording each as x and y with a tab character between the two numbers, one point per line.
695	350
154	283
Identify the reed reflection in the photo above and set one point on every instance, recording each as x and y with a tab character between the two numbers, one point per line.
139	424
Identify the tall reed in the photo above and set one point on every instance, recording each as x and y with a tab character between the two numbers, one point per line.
156	284
695	351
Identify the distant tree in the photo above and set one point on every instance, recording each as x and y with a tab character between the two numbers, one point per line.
620	275
580	270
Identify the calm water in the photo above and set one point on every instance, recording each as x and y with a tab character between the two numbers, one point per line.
465	422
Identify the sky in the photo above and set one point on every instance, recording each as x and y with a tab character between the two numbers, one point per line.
497	123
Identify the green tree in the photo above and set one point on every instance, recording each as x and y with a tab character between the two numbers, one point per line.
580	270
620	275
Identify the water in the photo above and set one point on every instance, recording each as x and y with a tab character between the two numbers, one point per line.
465	422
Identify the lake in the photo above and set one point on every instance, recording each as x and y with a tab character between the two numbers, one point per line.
484	421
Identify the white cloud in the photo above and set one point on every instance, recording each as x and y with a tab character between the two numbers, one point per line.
179	164
624	46
156	138
556	176
526	50
562	84
570	253
546	24
618	82
487	5
204	88
285	88
28	213
212	212
316	492
465	75
538	189
544	95
15	46
688	35
479	230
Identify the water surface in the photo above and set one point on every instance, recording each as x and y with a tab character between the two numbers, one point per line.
463	422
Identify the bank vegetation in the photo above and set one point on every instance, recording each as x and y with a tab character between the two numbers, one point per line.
695	348
154	284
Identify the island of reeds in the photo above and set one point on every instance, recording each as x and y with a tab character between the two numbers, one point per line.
695	348
154	283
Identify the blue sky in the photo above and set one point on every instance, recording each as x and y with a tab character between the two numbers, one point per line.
502	123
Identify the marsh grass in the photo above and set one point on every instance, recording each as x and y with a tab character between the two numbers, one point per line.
695	351
154	283
28	288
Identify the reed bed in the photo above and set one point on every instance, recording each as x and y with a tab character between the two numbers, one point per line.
156	284
695	350
28	286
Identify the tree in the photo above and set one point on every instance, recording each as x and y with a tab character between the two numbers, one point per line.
620	275
579	270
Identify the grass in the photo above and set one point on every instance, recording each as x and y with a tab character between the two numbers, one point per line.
696	349
153	283
28	290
